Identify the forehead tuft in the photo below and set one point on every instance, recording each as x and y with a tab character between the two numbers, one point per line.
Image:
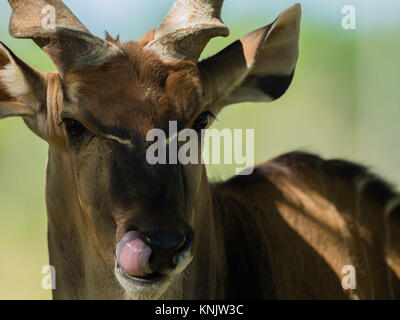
134	89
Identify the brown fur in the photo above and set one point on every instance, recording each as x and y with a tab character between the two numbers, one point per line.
4	95
304	211
149	36
283	232
286	231
142	83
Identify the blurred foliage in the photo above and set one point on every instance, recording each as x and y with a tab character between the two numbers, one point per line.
343	103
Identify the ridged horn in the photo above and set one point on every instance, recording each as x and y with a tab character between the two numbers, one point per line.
66	40
187	29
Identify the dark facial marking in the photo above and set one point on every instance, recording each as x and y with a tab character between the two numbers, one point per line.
275	85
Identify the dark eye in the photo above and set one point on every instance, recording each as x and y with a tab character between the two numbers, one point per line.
74	128
202	120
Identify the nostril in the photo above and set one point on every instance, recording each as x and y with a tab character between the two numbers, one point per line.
181	255
163	242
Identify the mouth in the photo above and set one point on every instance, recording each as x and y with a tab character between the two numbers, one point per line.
132	262
136	265
150	279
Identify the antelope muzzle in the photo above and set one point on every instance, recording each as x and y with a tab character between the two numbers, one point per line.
148	256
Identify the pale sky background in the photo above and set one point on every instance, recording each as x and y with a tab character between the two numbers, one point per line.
132	18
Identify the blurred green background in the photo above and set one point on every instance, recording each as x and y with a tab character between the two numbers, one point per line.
344	102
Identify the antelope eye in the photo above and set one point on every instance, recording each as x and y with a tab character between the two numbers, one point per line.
202	120
74	128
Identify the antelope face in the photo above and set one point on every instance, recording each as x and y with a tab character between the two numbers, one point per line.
107	112
135	217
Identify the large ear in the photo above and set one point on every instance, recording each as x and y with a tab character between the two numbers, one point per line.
258	67
22	88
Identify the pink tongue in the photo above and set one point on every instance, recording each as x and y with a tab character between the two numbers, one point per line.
134	258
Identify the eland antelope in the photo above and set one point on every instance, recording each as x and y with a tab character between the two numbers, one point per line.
119	227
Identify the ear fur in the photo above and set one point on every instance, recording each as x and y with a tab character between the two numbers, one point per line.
259	67
22	88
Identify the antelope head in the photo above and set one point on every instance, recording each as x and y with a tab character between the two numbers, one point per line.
117	221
